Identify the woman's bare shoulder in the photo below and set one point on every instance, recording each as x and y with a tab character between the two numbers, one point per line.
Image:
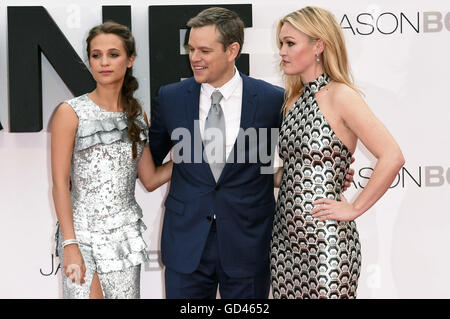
64	115
344	96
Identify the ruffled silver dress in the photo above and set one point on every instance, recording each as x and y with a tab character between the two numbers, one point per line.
107	219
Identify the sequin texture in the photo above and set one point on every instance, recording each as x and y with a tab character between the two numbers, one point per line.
107	219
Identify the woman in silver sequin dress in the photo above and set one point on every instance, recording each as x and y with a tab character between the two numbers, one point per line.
315	250
99	147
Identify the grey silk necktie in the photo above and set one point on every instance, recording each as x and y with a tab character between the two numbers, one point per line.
216	142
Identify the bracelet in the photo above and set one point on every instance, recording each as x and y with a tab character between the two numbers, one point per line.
69	242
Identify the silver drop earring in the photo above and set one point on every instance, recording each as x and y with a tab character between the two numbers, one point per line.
317	57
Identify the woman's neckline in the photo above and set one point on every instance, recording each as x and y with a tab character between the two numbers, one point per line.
320	81
101	108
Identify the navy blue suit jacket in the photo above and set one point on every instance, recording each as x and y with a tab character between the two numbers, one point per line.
242	199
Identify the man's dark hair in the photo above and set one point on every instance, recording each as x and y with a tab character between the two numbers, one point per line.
227	22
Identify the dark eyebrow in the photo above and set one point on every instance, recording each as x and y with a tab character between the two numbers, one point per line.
112	49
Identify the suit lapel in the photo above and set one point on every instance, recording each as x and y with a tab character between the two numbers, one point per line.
248	103
192	106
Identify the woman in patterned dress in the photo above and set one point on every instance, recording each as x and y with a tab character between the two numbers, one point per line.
315	250
99	146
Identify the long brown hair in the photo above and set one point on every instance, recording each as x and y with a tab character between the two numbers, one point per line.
130	105
318	23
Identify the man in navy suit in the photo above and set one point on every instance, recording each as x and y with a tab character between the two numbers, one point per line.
216	232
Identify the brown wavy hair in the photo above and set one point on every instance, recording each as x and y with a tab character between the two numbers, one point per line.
129	104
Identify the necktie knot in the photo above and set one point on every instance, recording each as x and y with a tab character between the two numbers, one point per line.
216	96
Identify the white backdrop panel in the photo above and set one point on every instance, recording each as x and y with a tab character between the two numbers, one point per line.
404	76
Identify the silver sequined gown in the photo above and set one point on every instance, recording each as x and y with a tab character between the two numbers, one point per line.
312	259
107	219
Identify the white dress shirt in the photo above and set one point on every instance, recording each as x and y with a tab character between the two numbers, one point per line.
231	105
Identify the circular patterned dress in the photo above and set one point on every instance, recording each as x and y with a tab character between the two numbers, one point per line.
309	258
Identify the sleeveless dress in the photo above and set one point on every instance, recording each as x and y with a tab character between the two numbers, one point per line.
312	259
107	219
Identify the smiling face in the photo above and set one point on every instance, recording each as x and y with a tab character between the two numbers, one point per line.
108	59
297	51
209	61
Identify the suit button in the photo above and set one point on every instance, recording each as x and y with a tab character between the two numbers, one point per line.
209	218
217	188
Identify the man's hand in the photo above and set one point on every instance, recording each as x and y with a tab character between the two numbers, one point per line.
349	177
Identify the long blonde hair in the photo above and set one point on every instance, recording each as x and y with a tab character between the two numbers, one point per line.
318	23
